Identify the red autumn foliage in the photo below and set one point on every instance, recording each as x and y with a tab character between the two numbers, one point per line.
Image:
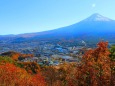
11	75
31	67
94	69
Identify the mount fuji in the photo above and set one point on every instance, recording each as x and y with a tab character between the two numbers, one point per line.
95	27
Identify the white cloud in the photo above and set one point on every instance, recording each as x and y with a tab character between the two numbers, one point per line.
94	5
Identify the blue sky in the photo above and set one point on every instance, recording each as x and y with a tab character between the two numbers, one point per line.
25	16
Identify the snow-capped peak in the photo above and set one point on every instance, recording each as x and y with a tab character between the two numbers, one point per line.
97	17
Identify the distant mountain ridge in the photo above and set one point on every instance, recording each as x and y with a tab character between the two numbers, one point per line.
94	27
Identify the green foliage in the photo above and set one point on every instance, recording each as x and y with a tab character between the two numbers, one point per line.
112	51
6	60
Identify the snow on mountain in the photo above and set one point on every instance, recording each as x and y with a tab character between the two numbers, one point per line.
97	17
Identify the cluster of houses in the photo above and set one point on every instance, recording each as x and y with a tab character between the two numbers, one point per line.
53	60
49	54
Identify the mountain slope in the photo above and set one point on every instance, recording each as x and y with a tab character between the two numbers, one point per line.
94	27
96	23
